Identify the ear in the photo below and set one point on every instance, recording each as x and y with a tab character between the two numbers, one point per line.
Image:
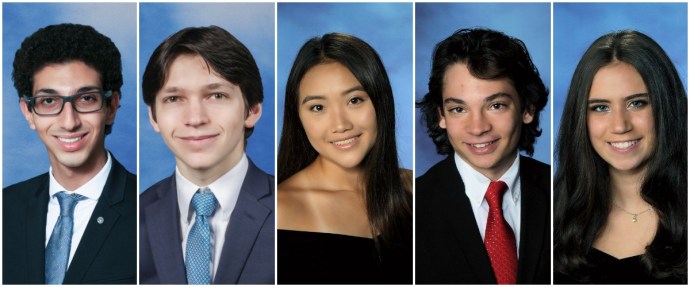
442	119
528	114
253	115
28	115
153	122
112	110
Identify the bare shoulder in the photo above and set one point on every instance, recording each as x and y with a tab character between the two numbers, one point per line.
293	200
406	179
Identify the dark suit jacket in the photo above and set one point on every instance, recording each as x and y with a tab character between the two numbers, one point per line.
107	252
449	247
248	255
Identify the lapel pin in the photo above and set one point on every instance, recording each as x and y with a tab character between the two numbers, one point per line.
100	220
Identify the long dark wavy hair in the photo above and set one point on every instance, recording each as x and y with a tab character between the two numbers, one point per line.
388	204
583	198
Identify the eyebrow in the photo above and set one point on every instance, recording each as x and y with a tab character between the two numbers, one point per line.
486	100
319	97
55	92
633	96
211	86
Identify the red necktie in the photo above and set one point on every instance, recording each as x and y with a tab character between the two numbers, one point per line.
499	239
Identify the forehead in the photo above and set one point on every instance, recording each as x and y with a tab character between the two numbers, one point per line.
460	84
191	72
618	79
66	76
327	78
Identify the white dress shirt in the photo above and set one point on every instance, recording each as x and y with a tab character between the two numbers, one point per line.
476	185
92	190
226	189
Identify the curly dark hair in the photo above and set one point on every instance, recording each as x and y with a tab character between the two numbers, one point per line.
489	55
62	43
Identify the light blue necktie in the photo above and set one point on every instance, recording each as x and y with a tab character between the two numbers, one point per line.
60	243
198	253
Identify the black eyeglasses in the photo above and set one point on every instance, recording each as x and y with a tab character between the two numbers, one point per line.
84	102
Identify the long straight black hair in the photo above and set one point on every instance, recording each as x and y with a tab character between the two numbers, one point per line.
389	205
583	197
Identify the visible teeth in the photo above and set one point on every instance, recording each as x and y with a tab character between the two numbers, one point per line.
344	142
69	140
623	145
481	145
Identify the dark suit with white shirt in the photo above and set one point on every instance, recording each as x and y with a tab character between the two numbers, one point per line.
248	254
449	246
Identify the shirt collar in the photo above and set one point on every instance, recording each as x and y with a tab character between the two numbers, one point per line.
475	179
92	189
226	189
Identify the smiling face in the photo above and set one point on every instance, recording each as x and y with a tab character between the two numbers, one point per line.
201	117
75	141
619	118
483	120
337	114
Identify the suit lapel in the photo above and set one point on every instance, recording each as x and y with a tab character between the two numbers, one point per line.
36	233
534	218
245	224
163	227
96	233
462	224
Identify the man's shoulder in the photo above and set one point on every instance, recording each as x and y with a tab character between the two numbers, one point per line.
153	193
438	171
23	187
531	164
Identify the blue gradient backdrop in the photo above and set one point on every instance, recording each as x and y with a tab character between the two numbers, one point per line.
385	26
24	155
254	25
577	25
529	22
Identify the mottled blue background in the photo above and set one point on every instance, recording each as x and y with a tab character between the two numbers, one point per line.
24	155
529	22
254	25
385	26
577	25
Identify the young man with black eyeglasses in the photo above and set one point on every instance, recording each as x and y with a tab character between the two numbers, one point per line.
75	224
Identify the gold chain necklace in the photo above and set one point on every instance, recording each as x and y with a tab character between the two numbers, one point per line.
634	215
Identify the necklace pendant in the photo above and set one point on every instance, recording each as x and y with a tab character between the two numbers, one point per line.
634	220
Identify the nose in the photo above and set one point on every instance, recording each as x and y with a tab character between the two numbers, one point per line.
196	114
620	121
478	124
340	120
69	118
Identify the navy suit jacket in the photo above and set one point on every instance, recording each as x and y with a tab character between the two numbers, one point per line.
107	252
248	254
449	247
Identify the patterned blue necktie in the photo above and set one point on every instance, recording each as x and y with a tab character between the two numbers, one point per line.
198	252
60	243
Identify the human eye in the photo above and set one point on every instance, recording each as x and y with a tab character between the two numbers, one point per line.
498	106
316	108
218	96
599	108
637	104
455	110
88	98
47	100
171	99
355	100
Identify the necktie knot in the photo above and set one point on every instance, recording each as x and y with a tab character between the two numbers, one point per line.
204	202
494	194
68	202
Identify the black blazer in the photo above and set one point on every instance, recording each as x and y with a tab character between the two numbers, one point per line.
107	252
248	255
449	247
